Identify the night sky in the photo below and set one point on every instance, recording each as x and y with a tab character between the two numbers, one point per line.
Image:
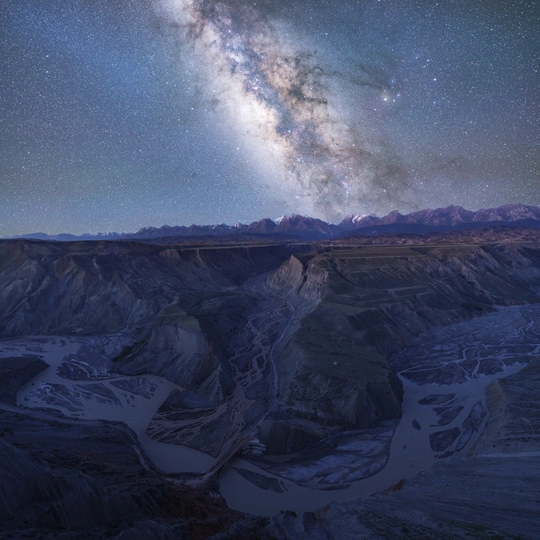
117	115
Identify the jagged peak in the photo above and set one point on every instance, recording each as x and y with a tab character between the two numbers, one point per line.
312	227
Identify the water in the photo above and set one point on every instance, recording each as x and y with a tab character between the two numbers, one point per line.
457	361
494	346
98	397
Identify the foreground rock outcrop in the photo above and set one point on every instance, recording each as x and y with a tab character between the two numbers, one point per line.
15	372
79	480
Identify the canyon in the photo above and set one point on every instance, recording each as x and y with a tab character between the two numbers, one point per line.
182	388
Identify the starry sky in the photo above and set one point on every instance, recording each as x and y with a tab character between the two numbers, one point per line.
120	114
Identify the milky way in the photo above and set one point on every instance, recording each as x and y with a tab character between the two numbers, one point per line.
120	115
278	93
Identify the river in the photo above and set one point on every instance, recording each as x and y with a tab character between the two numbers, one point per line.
444	374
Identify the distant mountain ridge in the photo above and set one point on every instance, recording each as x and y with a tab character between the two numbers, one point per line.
308	228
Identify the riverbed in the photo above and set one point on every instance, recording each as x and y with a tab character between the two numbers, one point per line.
444	375
79	390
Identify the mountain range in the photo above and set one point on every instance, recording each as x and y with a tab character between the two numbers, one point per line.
308	228
244	387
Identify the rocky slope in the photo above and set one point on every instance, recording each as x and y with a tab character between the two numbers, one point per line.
106	287
176	348
79	480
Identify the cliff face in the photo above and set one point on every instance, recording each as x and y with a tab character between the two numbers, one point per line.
294	278
367	303
176	349
107	287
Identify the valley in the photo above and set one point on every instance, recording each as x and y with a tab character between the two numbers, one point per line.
278	377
